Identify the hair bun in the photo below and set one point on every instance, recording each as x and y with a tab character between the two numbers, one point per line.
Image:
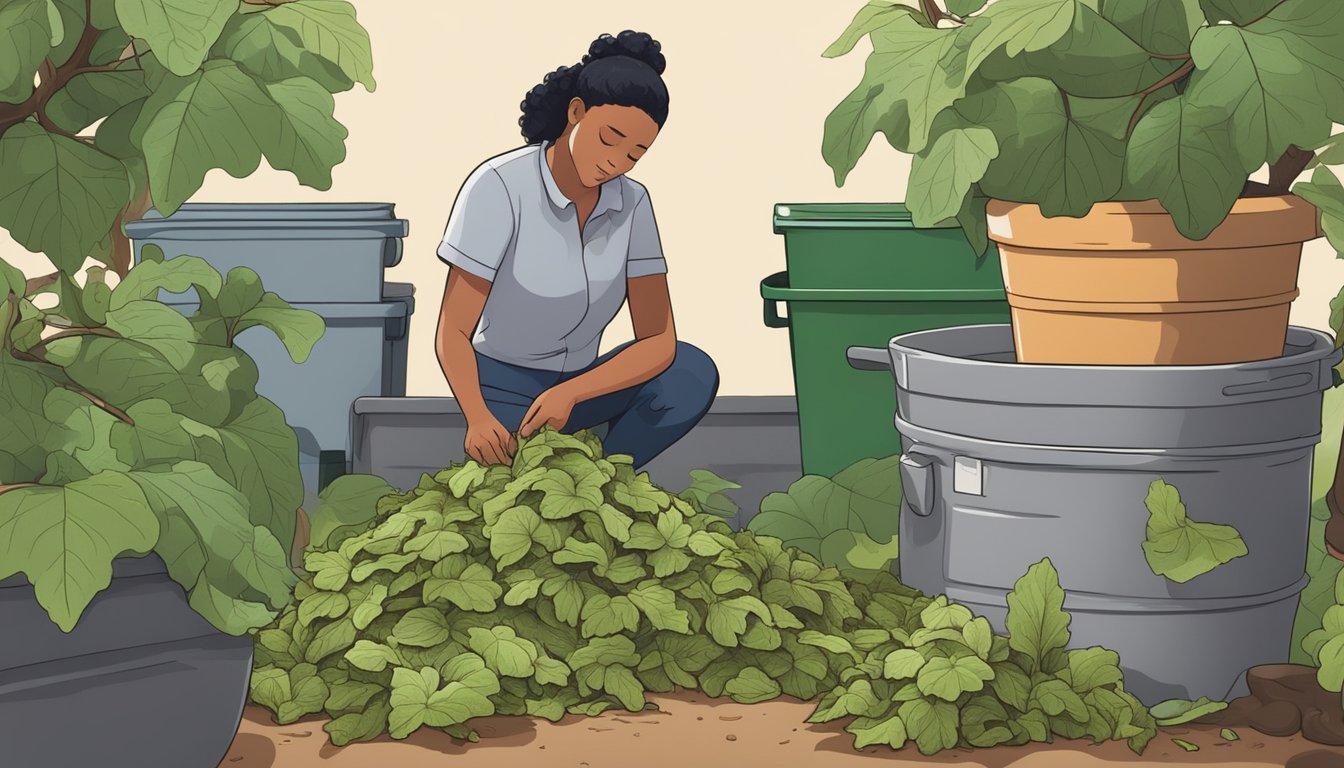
636	45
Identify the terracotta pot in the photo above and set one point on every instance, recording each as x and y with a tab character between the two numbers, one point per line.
1120	286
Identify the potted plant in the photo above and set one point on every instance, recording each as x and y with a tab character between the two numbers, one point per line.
1108	147
148	496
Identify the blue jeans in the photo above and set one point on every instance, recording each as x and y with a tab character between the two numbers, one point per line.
643	420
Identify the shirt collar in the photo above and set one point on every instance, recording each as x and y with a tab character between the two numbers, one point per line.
610	197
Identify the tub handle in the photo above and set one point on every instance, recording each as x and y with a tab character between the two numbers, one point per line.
869	358
772	317
918	483
1302	380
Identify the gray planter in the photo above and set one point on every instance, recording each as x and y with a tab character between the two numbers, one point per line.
1005	464
141	681
752	441
304	252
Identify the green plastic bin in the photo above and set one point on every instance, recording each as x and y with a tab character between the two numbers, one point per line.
876	245
859	274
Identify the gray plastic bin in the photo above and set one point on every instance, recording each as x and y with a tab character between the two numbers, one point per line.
752	441
1005	464
362	353
304	252
142	679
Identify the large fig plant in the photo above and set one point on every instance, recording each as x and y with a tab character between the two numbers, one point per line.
125	427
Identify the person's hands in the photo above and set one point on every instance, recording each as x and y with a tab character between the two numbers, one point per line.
551	408
488	442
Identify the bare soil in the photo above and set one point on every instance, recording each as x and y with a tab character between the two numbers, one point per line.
691	731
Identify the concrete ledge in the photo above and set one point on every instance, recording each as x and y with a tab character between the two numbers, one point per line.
750	440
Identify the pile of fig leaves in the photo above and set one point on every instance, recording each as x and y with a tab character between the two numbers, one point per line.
568	583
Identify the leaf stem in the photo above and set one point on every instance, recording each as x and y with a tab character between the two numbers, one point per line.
101	403
5	488
1177	74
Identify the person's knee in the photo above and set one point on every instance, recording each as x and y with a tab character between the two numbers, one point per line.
693	378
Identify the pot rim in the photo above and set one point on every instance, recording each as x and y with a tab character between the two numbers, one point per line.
1144	225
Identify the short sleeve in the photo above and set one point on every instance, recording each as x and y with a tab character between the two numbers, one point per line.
646	248
480	225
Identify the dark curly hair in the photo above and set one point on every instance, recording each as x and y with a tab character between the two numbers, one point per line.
625	70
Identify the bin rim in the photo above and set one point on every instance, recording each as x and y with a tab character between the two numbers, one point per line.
776	287
851	215
391	308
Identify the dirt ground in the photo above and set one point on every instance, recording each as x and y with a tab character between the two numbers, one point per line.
691	731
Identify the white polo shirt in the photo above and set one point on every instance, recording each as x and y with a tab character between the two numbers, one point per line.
553	293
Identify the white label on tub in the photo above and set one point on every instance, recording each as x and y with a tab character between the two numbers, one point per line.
968	476
999	226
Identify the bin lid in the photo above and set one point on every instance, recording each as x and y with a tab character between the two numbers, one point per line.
380	217
843	216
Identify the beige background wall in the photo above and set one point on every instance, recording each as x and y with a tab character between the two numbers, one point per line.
749	94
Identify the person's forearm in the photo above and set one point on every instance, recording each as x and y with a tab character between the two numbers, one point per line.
457	358
633	365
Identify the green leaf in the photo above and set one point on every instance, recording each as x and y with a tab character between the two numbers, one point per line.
180	32
297	329
751	686
1183	155
417	699
366	603
1179	548
948	679
28	39
1093	667
346	504
943	174
471	588
855	699
514	534
906	82
284	41
1165	27
370	656
1186	745
1173	712
1229	735
1037	623
361	726
603	615
323	605
1021	27
504	652
1055	698
422	628
965	7
727	619
176	275
1237	11
331	570
1062	152
903	664
941	614
1265	82
58	196
873	16
933	725
1326	193
1331	660
983	722
220	117
64	539
207	535
870	731
336	637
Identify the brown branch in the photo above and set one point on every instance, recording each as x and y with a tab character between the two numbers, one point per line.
5	488
1177	74
1286	169
35	104
101	403
38	283
932	12
77	331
